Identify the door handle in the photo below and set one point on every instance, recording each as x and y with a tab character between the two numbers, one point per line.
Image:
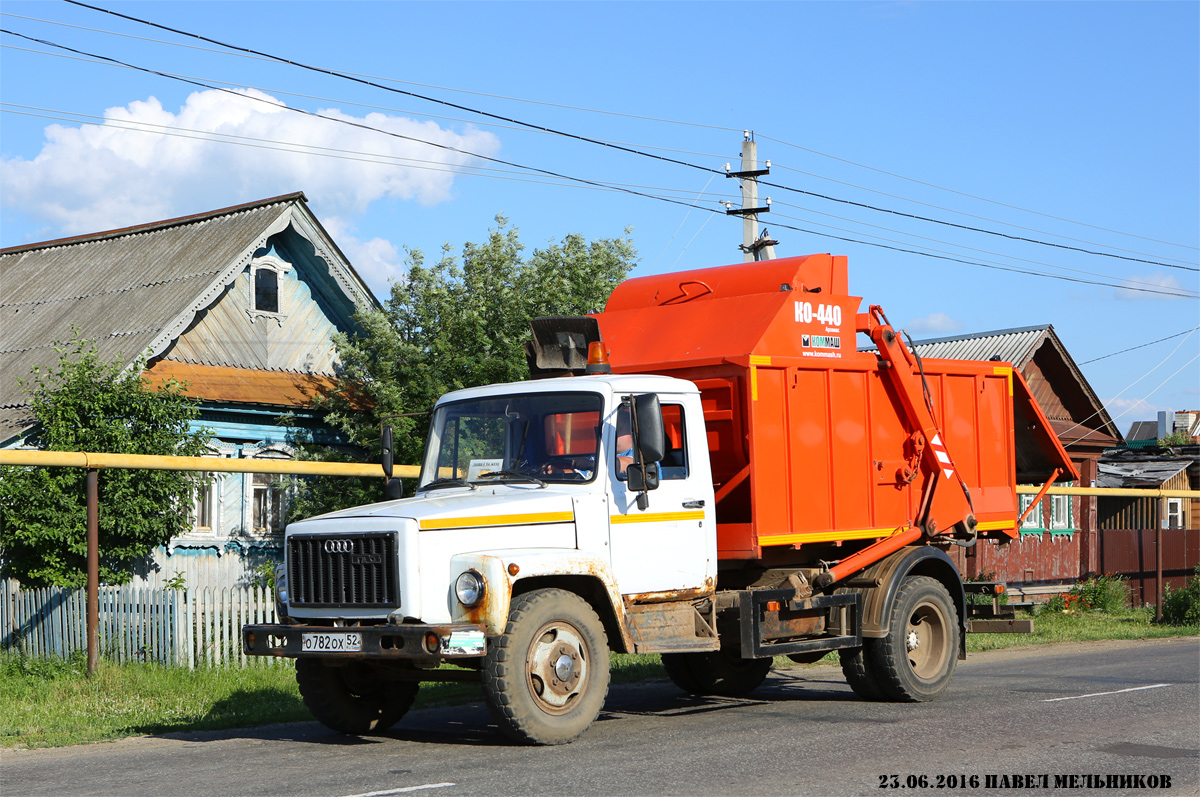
693	504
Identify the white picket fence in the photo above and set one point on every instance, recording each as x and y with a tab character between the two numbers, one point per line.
189	628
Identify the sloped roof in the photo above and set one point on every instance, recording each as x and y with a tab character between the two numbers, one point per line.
1018	346
1143	430
1014	346
135	290
1147	473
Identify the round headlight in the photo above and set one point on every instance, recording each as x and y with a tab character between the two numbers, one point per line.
469	588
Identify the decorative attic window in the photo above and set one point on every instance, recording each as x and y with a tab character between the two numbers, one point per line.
266	276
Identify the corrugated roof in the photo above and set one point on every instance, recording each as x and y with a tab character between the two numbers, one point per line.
1014	346
1143	474
132	290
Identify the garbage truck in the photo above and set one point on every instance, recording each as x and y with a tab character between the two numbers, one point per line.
724	466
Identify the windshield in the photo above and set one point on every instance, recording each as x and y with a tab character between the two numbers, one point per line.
533	439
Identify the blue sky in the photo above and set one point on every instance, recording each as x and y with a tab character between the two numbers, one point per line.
1079	112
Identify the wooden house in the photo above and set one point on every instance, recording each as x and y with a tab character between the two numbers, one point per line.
241	303
1058	542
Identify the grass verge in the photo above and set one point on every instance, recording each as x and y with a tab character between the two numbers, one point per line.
51	702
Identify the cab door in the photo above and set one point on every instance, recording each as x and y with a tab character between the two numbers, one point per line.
671	545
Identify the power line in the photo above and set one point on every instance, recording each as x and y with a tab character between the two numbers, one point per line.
318	97
1127	284
973	196
968	215
587	139
375	77
646	146
556	174
1144	345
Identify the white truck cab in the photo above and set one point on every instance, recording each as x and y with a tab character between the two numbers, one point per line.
547	496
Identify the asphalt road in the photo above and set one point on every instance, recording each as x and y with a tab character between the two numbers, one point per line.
1103	709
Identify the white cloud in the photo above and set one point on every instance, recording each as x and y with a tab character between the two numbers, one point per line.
99	177
934	324
1125	412
377	261
1159	280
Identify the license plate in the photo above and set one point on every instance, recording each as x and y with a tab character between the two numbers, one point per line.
331	643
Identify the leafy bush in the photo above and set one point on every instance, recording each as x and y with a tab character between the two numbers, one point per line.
1057	603
1107	593
1182	606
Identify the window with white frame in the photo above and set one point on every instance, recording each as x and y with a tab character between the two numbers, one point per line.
1174	513
1032	521
266	278
1061	518
268	504
207	499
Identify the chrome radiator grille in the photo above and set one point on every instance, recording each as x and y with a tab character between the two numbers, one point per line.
340	570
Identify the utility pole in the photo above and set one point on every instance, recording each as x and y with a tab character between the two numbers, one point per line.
754	246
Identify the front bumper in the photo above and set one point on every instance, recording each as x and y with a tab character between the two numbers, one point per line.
420	644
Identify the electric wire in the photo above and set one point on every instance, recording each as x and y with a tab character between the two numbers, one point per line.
372	106
647	146
1135	348
465	170
545	171
1103	409
974	216
945	243
588	139
970	196
266	58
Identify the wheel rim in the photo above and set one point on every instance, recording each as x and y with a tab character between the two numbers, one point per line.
556	667
925	636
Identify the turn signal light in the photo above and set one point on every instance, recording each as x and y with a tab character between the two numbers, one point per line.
597	362
432	643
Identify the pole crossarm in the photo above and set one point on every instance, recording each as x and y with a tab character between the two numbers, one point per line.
1111	492
85	459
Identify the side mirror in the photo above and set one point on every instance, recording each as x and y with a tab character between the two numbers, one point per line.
394	490
640	481
388	458
651	438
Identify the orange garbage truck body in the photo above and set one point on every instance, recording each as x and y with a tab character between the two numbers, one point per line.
810	438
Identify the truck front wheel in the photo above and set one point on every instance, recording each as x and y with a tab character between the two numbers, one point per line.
716	673
546	677
915	661
353	698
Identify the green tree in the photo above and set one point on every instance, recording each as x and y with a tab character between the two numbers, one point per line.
85	404
460	323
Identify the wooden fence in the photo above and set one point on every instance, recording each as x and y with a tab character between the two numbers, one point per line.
189	628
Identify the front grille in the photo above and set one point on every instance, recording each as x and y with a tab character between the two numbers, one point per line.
343	570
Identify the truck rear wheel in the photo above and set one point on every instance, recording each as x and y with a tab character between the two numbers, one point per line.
715	673
915	661
353	698
860	672
546	677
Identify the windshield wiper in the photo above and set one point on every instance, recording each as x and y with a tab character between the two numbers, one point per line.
513	474
437	484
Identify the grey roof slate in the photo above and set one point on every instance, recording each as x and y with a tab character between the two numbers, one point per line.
132	290
1139	474
1143	430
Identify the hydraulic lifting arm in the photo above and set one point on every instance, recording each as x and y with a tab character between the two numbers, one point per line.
945	498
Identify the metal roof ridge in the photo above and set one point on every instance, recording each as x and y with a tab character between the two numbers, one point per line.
153	226
980	335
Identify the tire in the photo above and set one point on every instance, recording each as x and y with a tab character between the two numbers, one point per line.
716	673
353	698
546	677
860	673
915	661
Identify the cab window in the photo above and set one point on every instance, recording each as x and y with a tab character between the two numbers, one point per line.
674	464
